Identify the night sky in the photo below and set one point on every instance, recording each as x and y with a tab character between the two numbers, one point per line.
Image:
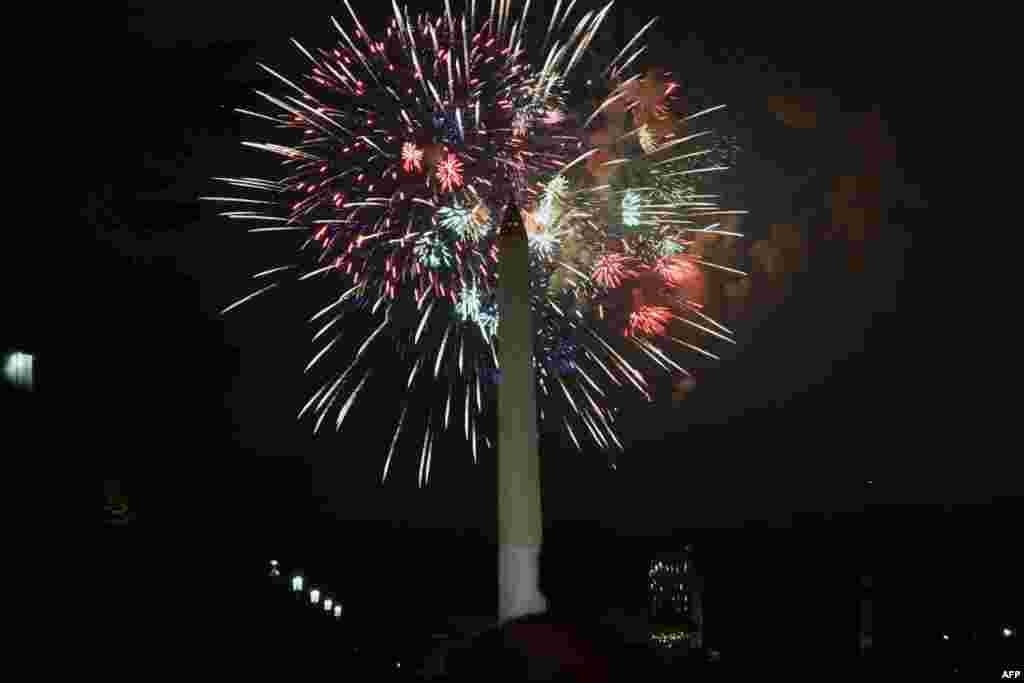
840	385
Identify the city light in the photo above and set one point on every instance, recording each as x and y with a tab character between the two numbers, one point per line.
1007	632
945	636
669	639
18	369
317	596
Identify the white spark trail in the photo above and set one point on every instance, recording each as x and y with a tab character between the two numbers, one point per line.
394	440
249	297
278	269
322	352
351	399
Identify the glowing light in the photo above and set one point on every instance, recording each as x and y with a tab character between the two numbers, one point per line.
553	117
433	252
449	173
545	242
611	270
544	215
483	121
521	125
556	190
297	584
647	140
314	596
467	224
412	158
669	638
631	205
337	611
18	369
328	604
488	319
468	305
1007	632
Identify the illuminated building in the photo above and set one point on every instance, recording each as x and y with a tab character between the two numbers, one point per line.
675	591
18	370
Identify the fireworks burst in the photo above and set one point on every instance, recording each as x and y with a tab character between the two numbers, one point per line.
676	271
649	320
408	144
412	158
449	173
612	269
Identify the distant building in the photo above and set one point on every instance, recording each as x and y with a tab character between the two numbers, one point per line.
864	630
18	370
675	596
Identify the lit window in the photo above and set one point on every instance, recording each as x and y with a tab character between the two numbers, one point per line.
328	603
337	611
296	583
314	595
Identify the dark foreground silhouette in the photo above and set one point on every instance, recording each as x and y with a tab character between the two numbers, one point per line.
551	648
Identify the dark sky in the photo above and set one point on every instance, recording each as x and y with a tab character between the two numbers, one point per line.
196	412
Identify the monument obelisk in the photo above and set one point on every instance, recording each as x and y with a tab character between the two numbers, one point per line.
520	524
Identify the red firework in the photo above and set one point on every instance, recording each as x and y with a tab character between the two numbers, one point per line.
676	271
649	321
449	173
412	158
612	269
